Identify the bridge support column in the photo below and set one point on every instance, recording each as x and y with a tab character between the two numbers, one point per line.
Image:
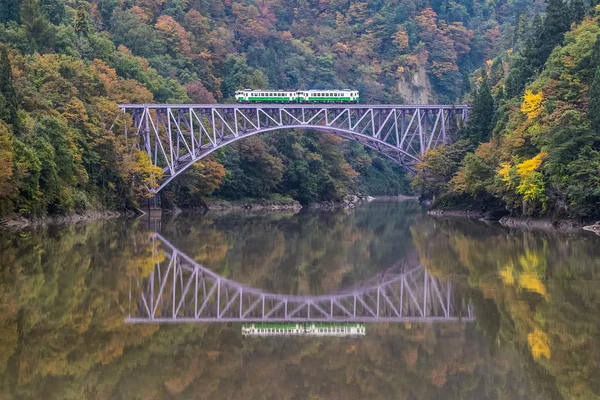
154	207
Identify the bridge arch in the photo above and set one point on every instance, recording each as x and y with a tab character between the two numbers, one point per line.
181	290
177	136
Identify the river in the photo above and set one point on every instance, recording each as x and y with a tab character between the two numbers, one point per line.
518	313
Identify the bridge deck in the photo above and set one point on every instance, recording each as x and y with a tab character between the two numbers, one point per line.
297	105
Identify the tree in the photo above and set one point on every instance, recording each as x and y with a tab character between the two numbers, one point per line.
9	10
8	97
175	36
481	115
142	39
200	180
81	24
439	165
594	101
7	185
577	10
531	104
38	29
198	93
556	23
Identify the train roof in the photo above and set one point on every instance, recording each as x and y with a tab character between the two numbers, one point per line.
267	90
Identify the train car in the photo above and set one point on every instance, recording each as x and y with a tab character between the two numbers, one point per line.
328	96
265	96
249	96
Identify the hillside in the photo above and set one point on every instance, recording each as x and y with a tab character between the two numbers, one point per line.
532	145
65	65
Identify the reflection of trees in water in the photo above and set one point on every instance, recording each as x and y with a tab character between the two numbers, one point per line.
308	252
63	297
536	293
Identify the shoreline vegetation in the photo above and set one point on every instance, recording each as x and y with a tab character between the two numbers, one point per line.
17	222
532	144
565	225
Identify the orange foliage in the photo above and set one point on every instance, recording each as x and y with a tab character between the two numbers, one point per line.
400	39
174	34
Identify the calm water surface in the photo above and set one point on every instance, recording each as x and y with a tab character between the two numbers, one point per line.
65	294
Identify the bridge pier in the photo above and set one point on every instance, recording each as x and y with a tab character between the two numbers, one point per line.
153	206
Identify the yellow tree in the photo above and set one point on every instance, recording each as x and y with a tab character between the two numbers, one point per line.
531	103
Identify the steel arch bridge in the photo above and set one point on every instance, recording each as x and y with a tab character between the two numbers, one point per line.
181	290
175	136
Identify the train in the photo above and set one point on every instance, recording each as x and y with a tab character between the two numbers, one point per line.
250	96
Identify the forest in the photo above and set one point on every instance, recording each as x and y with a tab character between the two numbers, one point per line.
532	143
529	69
65	65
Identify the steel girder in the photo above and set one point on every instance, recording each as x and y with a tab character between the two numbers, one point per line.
175	136
181	290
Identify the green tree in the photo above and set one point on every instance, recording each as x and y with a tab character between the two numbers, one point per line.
81	24
556	22
481	115
594	101
9	10
39	31
8	97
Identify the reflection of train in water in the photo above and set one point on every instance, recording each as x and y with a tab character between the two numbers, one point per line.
301	96
304	329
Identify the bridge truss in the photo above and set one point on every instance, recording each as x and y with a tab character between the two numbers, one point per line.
175	136
181	290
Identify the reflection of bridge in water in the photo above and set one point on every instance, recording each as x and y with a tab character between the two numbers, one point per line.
181	290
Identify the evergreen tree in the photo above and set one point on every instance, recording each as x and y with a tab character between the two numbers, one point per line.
594	101
81	24
481	115
39	31
8	97
556	23
577	10
526	63
9	10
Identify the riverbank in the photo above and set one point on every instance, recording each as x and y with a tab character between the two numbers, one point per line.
352	200
17	222
254	205
523	223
